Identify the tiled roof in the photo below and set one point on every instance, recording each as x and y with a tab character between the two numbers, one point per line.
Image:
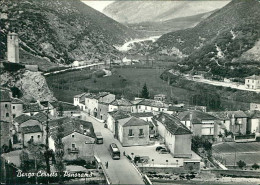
97	96
71	125
16	101
142	114
153	103
135	102
237	114
132	121
121	102
253	77
5	96
33	107
66	106
22	118
41	117
119	114
173	124
175	108
220	115
197	116
31	129
79	95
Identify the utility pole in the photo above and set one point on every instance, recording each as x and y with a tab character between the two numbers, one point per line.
47	153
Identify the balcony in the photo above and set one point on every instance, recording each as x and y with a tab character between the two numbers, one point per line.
73	150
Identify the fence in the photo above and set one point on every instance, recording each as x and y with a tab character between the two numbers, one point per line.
108	181
234	173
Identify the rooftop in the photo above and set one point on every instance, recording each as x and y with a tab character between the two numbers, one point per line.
237	114
253	114
31	129
71	125
173	124
119	114
153	103
97	96
142	114
196	116
66	106
253	77
132	121
16	101
22	118
121	102
32	107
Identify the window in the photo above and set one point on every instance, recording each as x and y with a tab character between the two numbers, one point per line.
7	115
73	145
31	137
141	132
39	136
145	108
13	107
130	132
14	115
81	126
72	135
5	105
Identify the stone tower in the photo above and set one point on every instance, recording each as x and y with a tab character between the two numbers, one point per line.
12	48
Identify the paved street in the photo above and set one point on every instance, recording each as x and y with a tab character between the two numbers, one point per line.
119	171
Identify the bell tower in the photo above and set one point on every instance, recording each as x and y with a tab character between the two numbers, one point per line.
12	47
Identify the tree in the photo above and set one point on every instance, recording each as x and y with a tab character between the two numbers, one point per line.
145	92
241	164
59	152
255	166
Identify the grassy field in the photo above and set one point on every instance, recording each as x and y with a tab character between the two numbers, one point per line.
230	153
124	81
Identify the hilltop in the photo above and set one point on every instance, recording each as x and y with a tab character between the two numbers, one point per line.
62	31
130	12
223	44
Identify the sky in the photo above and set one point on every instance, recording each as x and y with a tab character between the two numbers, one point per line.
98	5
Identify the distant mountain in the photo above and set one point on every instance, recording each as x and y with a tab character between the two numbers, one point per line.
61	30
216	44
180	23
130	12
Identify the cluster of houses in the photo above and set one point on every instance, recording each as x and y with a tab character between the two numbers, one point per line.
22	123
135	122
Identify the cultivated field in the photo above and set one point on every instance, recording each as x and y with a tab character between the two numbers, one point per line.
230	153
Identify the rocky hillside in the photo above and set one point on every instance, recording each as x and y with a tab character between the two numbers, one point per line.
32	85
140	11
61	30
216	44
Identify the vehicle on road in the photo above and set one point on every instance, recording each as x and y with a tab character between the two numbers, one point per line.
99	138
114	151
163	151
158	148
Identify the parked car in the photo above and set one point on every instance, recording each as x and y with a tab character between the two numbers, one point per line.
163	151
158	148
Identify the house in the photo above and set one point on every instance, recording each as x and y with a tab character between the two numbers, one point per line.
65	109
91	101
147	116
149	105
238	120
103	107
17	107
225	122
252	82
200	123
253	125
177	136
79	100
255	106
31	109
120	104
16	132
32	133
160	97
112	120
47	106
78	138
133	131
6	117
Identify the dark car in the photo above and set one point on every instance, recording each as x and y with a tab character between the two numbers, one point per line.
158	148
163	151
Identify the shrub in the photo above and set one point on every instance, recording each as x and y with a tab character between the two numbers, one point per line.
255	166
241	164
